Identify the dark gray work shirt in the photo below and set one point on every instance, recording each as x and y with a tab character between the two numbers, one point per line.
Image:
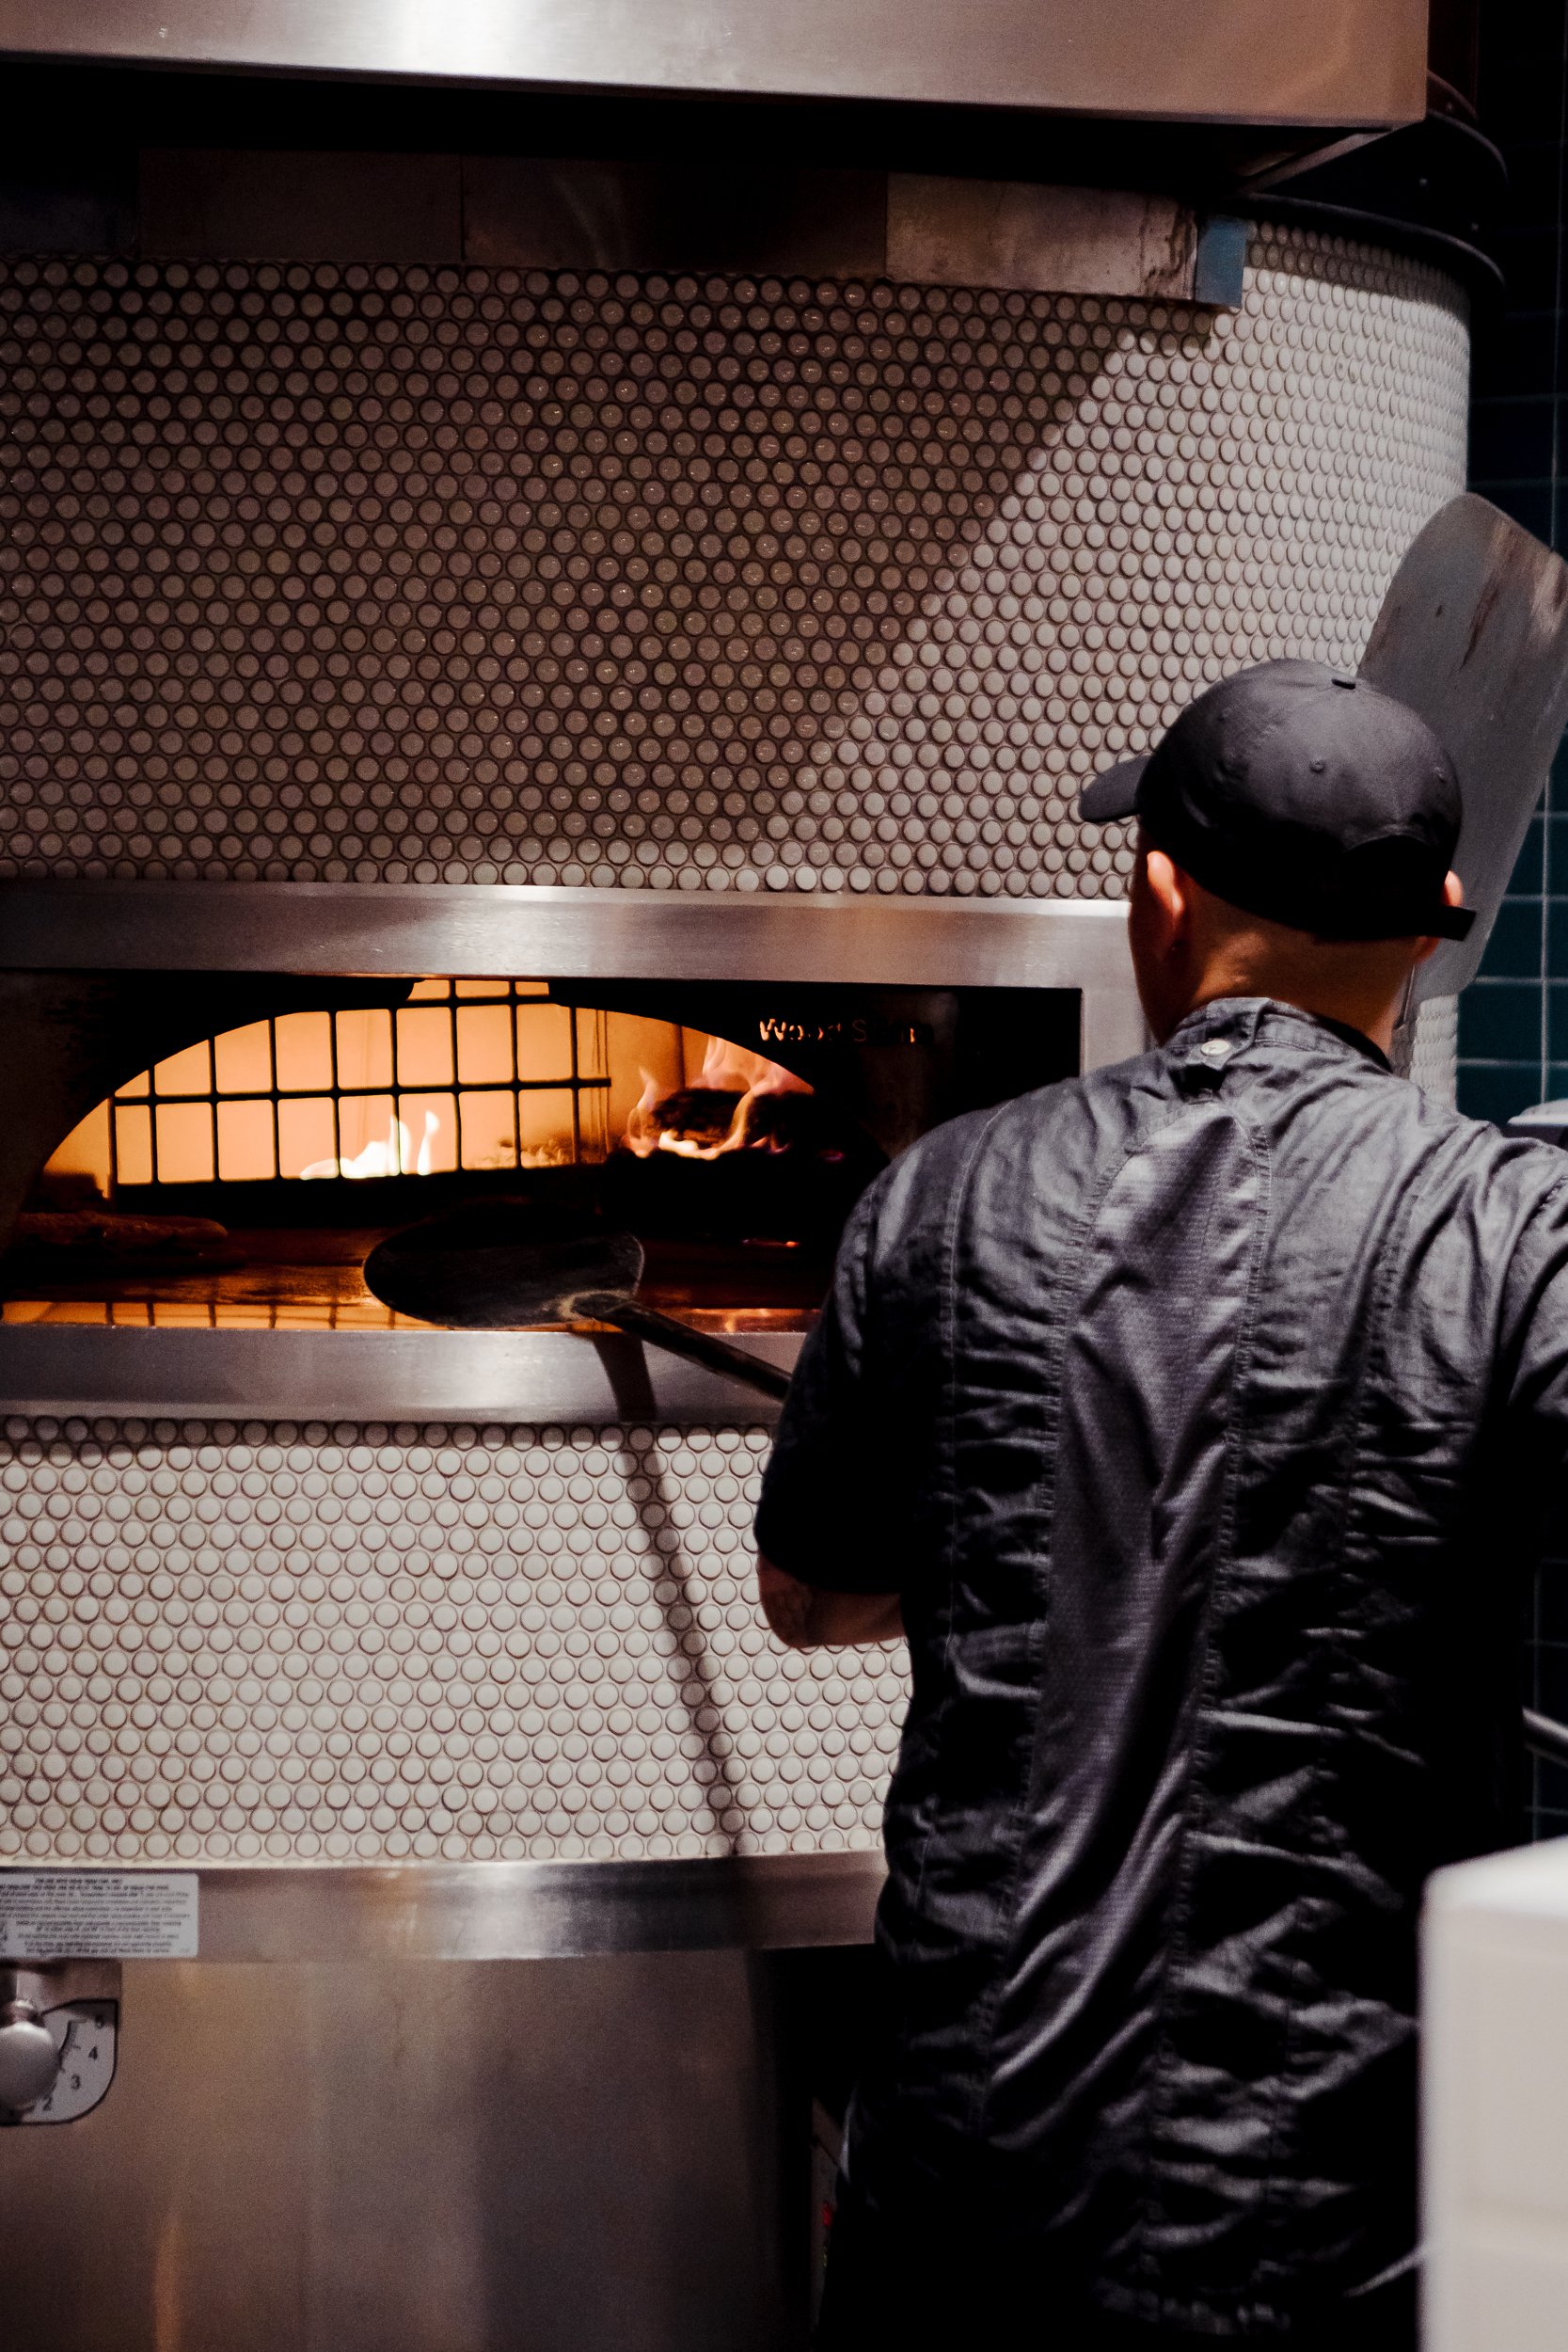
1200	1410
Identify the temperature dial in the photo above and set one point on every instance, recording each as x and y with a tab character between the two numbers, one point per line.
29	2060
58	2063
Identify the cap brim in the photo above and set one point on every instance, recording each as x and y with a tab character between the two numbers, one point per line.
1113	796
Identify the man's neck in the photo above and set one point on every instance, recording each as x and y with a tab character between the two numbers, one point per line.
1374	1017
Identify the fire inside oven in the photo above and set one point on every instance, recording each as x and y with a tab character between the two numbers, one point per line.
244	1177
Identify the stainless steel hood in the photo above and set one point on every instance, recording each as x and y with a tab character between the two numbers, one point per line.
1349	62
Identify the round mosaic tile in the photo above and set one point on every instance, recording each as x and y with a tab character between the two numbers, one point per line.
463	575
273	1642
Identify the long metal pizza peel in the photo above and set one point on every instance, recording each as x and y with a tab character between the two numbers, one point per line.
1473	633
494	1265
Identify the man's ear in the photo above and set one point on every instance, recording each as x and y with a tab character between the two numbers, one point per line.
1168	888
1453	896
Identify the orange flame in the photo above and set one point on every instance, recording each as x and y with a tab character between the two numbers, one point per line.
726	1070
642	1135
395	1157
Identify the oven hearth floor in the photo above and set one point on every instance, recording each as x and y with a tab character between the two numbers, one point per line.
307	1281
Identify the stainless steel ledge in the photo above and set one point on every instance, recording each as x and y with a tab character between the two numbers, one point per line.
536	1377
537	1910
1361	61
475	928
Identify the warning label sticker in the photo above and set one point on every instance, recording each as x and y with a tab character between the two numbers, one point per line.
98	1914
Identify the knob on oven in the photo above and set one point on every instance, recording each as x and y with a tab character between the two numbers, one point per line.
28	2060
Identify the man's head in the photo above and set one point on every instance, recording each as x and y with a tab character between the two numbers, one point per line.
1296	829
1189	946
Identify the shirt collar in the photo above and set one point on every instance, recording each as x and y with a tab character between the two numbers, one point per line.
1236	1021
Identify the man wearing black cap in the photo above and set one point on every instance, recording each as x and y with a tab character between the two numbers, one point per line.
1172	1413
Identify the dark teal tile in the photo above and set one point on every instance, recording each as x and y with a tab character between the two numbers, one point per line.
1551	1679
1557	1020
1551	1602
1528	260
1519	354
1532	169
1500	1020
1531	50
1498	1093
1526	880
1557	1081
1531	28
1512	440
1557	936
1535	24
1530	503
1520	95
1513	950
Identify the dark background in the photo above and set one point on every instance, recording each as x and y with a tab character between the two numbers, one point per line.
1513	1021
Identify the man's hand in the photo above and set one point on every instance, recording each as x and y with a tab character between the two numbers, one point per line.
805	1616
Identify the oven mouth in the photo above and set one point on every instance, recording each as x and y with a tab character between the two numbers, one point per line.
242	1180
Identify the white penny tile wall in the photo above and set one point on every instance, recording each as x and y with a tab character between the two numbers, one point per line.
321	573
279	1644
1434	1058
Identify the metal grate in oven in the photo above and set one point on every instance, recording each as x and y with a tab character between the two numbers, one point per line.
467	1074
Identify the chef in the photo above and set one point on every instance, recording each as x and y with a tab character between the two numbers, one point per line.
1191	1419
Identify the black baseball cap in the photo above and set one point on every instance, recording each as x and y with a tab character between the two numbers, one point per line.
1304	795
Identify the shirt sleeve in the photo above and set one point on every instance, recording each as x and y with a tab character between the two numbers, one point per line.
824	1514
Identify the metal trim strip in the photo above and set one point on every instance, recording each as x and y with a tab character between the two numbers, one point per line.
536	1910
478	928
475	930
1361	62
588	1379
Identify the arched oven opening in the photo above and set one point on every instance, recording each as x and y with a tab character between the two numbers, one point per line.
243	1176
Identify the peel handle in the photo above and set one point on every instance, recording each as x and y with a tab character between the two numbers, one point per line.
699	1347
